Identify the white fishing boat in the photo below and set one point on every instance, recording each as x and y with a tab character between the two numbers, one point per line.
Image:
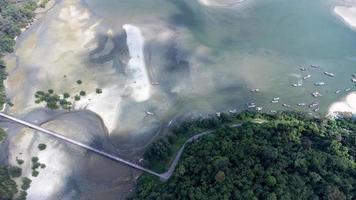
286	105
297	85
301	104
316	94
149	113
255	90
306	77
233	111
337	91
319	83
329	74
259	108
313	105
251	105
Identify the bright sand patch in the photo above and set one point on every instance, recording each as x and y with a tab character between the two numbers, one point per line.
348	14
220	3
347	105
106	104
136	66
57	163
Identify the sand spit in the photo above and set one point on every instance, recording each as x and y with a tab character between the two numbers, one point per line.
136	66
220	3
347	14
347	106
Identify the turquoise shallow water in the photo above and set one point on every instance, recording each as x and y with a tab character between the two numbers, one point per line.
209	61
260	44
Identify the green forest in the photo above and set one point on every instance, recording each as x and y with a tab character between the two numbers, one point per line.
13	17
283	156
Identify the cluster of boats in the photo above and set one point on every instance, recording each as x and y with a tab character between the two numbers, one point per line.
315	105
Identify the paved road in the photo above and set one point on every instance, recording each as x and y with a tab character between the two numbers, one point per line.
168	174
163	176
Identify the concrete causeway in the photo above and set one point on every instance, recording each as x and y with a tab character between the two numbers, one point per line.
163	176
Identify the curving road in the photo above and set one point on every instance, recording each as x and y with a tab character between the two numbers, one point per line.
163	176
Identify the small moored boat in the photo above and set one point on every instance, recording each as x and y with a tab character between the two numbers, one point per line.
319	83
259	108
306	77
329	74
316	94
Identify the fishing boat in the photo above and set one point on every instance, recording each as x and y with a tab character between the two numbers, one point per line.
274	101
273	111
303	69
301	104
286	105
337	91
297	85
306	77
329	74
259	108
149	113
255	90
233	111
154	83
316	94
319	83
353	80
313	105
275	98
347	89
315	66
251	105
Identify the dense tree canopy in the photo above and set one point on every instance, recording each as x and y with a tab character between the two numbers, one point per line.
13	16
287	157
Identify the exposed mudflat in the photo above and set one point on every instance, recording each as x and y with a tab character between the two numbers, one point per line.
157	61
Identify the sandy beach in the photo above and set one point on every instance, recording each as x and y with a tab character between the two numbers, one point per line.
347	14
346	105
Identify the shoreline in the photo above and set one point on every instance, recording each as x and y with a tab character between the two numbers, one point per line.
347	14
343	108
